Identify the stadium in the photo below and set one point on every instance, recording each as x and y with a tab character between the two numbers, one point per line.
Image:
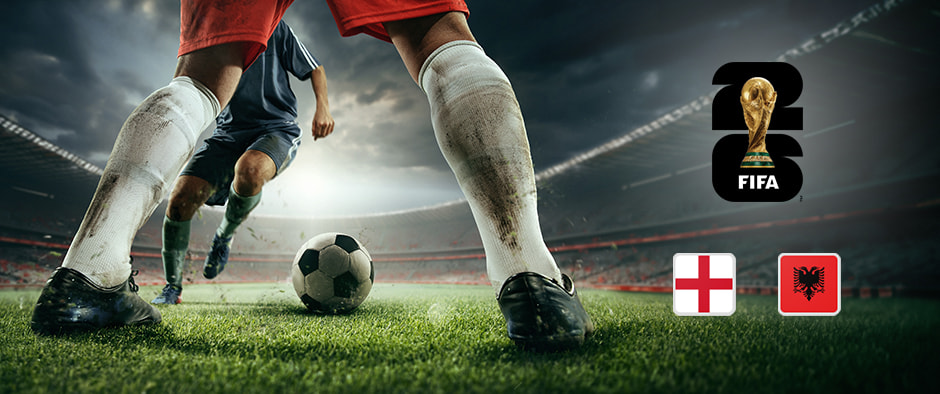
613	217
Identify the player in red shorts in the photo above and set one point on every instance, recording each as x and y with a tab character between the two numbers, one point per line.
95	288
478	125
480	130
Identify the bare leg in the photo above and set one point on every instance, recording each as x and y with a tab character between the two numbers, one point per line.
219	68
415	39
189	193
252	171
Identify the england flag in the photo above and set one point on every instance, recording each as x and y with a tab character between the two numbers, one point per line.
703	284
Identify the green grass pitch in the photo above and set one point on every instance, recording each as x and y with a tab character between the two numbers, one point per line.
451	339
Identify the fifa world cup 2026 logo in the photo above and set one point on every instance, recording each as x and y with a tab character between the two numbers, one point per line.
760	176
757	99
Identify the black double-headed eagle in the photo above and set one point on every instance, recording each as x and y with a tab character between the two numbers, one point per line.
809	281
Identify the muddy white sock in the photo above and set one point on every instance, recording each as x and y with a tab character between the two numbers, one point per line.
154	143
479	127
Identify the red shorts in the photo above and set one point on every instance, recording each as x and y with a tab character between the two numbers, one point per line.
205	23
358	16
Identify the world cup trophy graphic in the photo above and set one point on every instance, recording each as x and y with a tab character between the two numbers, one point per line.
757	98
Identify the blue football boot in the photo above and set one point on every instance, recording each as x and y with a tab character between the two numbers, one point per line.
171	295
217	258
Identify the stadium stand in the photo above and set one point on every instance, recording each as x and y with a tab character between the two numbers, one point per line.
613	216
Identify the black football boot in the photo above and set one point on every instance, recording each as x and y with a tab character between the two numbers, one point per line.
542	315
70	302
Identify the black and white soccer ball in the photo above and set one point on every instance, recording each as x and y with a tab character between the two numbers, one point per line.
332	273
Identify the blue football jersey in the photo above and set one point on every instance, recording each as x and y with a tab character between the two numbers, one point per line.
264	95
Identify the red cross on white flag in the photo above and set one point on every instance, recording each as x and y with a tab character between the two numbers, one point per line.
703	284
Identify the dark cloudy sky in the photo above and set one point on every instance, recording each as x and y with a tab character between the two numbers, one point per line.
584	72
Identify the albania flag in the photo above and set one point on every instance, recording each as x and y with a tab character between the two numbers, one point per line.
809	284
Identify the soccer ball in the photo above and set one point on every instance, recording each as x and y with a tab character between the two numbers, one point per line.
332	273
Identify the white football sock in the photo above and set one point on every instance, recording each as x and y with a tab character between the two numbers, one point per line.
154	143
479	127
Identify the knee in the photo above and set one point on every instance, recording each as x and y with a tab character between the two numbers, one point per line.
252	171
182	207
179	211
249	181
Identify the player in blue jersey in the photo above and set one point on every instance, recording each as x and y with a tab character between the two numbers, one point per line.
474	114
256	138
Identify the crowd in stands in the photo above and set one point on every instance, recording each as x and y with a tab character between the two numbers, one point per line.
27	265
894	249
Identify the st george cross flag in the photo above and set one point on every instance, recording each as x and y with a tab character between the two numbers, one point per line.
809	284
703	284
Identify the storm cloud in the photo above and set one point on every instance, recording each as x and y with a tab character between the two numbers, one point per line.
584	73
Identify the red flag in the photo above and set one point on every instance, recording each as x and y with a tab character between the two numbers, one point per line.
809	284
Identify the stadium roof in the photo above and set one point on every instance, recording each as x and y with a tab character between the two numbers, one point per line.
33	165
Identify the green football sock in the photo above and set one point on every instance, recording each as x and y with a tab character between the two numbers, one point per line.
236	211
175	244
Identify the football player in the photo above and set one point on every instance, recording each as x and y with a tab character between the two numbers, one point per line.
474	113
255	139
